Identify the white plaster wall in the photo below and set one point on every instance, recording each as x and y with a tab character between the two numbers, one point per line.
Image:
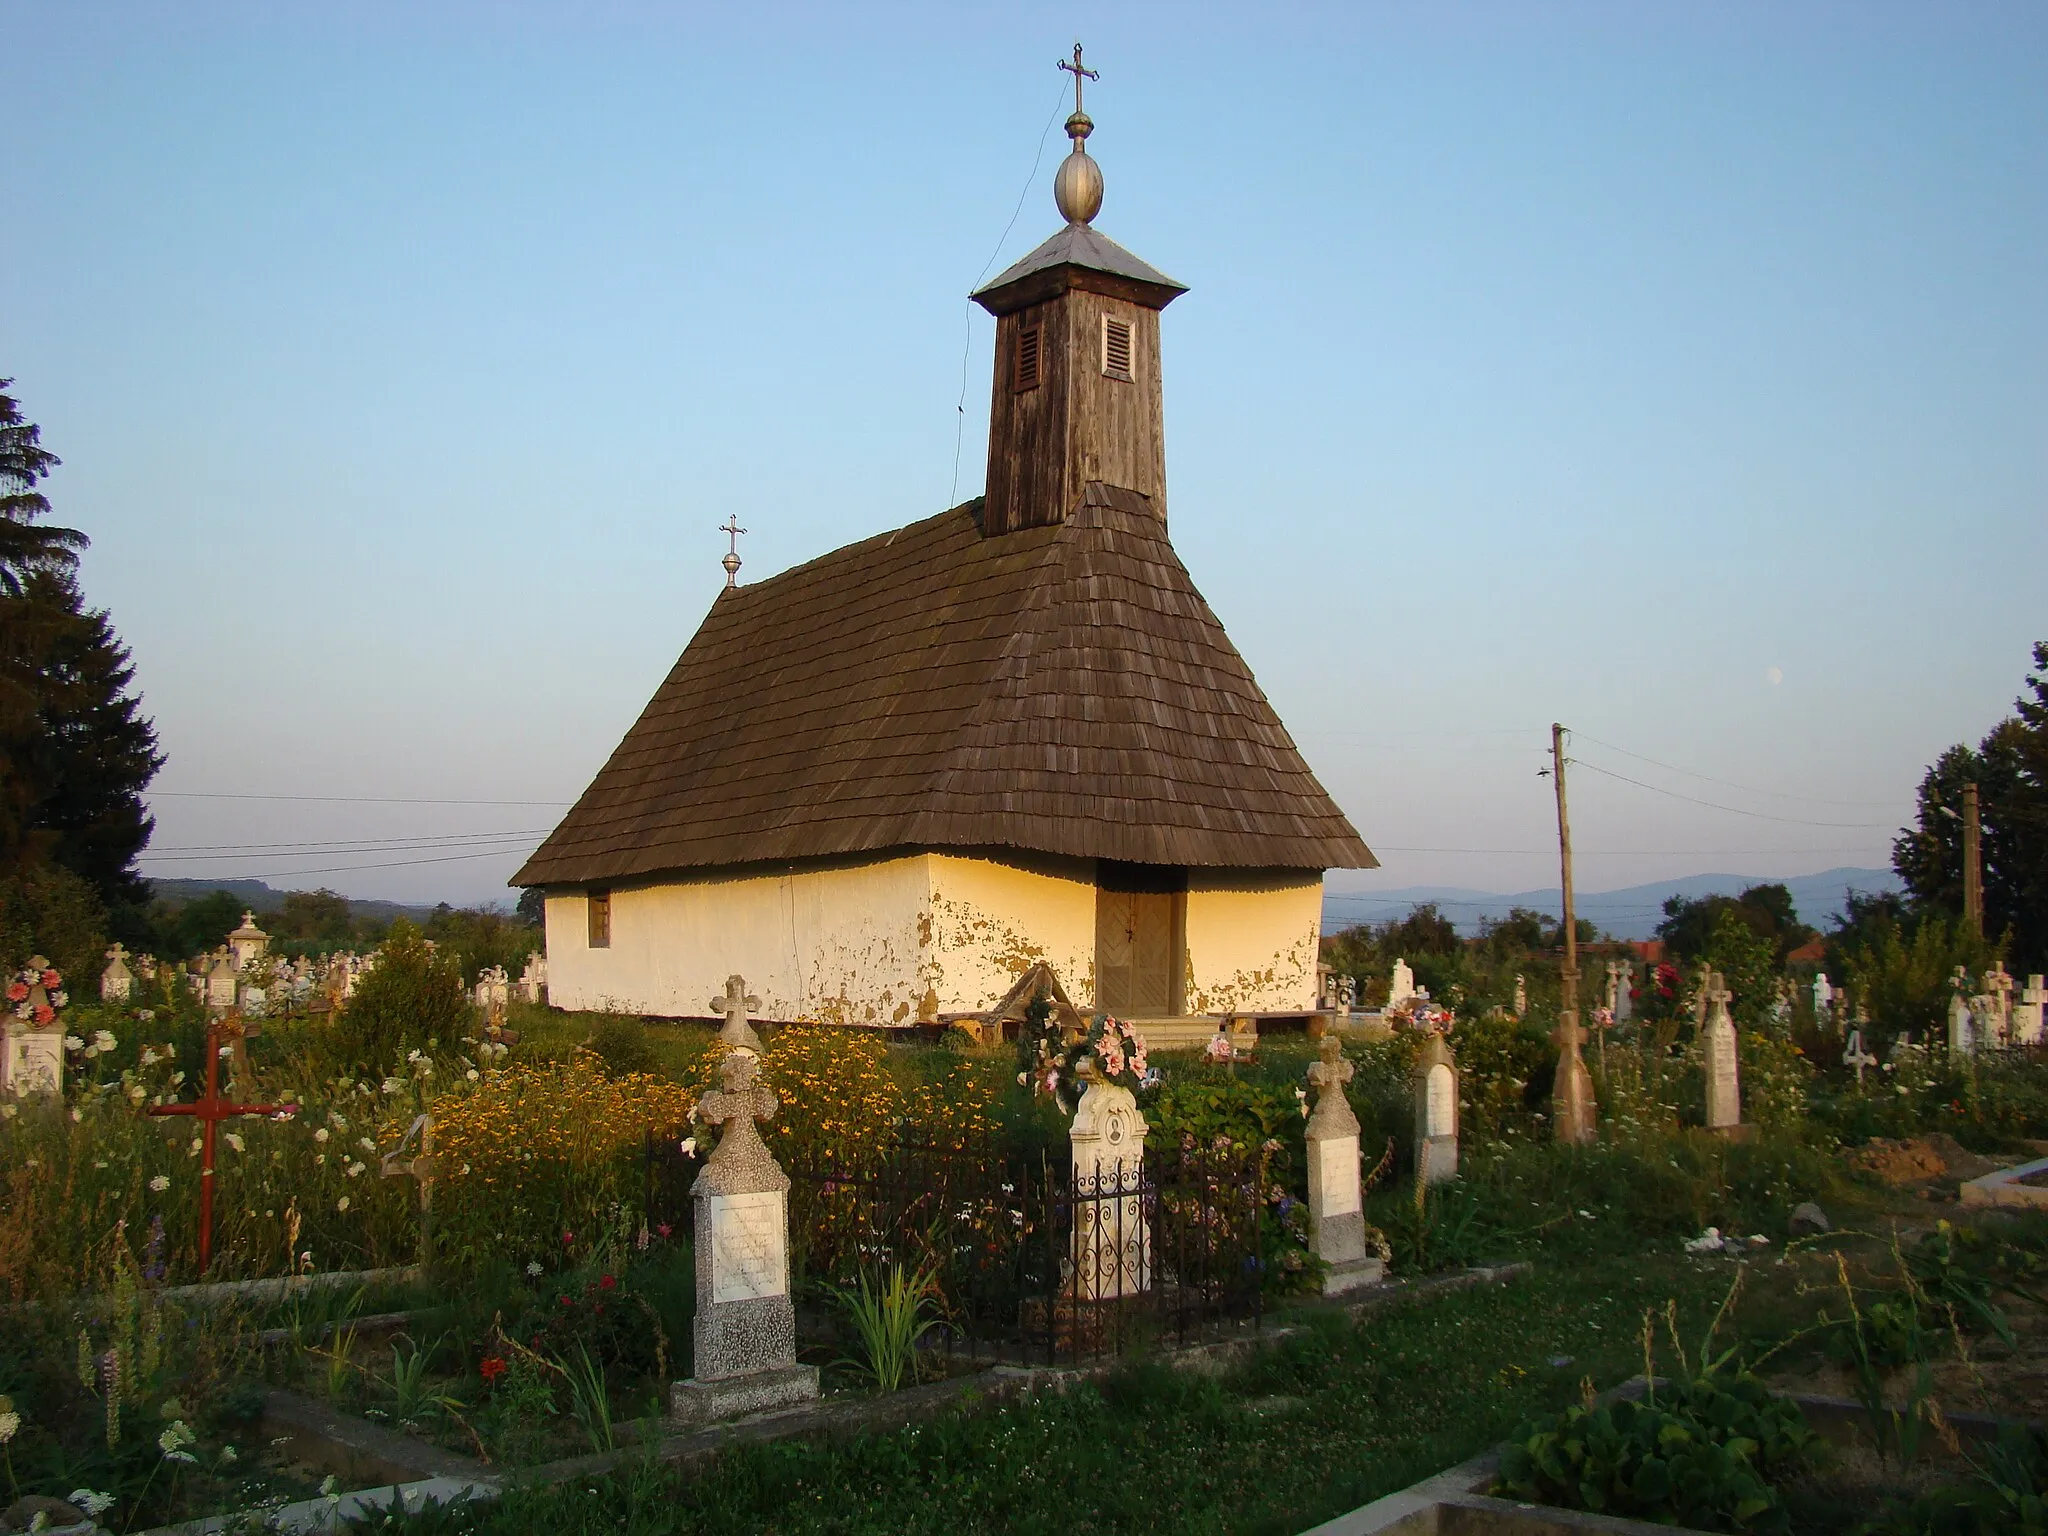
1252	941
991	922
840	944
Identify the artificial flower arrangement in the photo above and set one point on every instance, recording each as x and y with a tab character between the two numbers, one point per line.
1422	1012
36	994
1048	1065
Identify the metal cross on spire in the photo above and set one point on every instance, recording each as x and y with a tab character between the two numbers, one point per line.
1079	73
731	562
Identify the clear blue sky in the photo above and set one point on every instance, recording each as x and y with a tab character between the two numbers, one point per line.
1679	372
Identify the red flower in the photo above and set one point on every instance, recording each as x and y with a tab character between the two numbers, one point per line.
45	1014
17	991
568	1301
663	1229
491	1369
607	1284
568	1238
51	980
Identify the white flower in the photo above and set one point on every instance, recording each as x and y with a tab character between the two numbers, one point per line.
329	1484
690	1146
234	1139
174	1439
227	1456
94	1504
392	1085
471	1074
533	1267
321	1134
149	1057
415	1055
160	1183
73	1043
356	1168
104	1041
137	1092
341	1204
8	1111
320	1160
367	1145
193	1150
77	1116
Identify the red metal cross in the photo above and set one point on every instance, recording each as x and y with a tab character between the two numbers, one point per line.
210	1109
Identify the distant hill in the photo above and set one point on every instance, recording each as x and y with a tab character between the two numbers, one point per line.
1630	913
259	897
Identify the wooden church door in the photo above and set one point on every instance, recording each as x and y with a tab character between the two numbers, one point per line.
1140	939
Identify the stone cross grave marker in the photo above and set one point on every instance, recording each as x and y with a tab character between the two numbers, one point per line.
1998	991
1823	994
1573	1108
1436	1112
1112	1239
735	1004
116	981
1336	1196
1718	1056
422	1167
248	943
2027	1018
1856	1057
745	1330
1521	996
1625	1001
1613	1000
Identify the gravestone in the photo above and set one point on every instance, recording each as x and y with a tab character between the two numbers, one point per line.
1718	1059
1962	1039
1402	987
1574	1111
2027	1017
1856	1058
1436	1112
117	982
223	982
534	979
1112	1239
1336	1194
1625	1000
1998	994
248	943
31	1034
1613	999
745	1330
735	1004
1823	994
1521	996
1326	987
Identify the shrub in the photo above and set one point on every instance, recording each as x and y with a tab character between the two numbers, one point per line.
411	997
1700	1458
620	1043
546	1161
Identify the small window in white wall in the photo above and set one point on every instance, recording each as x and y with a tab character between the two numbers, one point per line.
599	906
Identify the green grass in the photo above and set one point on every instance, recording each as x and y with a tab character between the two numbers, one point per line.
1314	1426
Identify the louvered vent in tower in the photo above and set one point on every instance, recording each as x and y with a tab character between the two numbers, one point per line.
1027	359
1116	347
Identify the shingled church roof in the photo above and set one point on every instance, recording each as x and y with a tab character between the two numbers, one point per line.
1062	689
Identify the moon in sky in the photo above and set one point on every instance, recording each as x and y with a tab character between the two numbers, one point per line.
1774	675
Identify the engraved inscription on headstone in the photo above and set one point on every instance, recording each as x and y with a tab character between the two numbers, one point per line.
1339	1172
749	1258
1443	1102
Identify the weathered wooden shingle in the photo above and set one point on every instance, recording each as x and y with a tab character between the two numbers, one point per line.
1063	690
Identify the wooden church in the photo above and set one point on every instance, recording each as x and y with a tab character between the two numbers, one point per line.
884	785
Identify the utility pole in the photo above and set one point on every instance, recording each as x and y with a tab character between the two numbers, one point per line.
1571	1097
1973	866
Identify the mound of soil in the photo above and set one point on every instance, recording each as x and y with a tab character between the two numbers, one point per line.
1900	1163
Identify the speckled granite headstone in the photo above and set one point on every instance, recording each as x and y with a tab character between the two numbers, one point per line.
745	1331
1336	1198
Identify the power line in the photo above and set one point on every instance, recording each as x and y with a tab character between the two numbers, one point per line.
364	844
243	858
1734	810
1636	853
1748	789
332	869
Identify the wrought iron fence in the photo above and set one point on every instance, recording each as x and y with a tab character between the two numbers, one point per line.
1027	1261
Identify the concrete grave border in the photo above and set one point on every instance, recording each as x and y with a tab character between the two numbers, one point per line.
2002	1186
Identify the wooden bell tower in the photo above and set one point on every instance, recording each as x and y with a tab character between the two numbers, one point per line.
1077	395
